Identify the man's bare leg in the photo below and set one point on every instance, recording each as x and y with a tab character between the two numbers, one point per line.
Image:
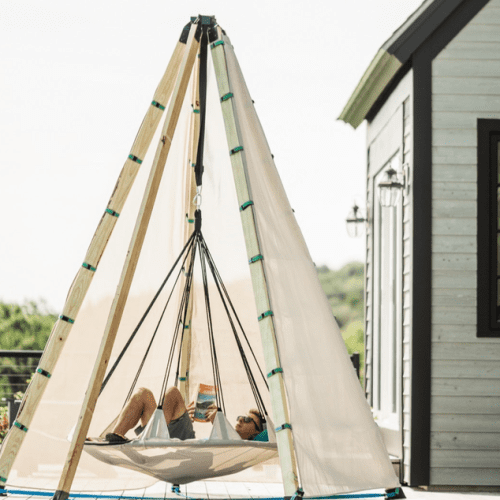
173	405
140	406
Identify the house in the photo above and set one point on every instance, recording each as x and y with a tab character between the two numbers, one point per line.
431	100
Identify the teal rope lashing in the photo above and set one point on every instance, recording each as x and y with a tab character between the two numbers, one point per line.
283	427
89	267
158	105
256	259
246	205
227	96
134	158
21	426
216	44
265	315
274	372
235	150
112	212
65	318
43	372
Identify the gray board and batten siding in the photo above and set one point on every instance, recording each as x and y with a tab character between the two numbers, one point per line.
389	136
465	375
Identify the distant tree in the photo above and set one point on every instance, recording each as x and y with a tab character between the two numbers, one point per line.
345	292
22	327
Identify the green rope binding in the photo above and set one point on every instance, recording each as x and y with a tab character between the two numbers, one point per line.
235	150
112	212
246	205
182	379
255	259
21	426
197	111
43	372
134	158
274	372
215	44
89	267
193	165
158	105
65	318
226	96
298	494
3	479
283	427
265	315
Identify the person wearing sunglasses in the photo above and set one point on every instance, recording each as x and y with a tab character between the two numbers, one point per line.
141	406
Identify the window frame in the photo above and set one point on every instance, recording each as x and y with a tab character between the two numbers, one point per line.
488	228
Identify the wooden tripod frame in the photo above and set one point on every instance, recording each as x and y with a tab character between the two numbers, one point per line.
172	88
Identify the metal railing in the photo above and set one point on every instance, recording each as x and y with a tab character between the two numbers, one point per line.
16	368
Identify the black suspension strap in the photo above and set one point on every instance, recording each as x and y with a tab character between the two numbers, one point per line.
198	169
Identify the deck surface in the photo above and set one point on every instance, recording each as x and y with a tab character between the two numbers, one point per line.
218	490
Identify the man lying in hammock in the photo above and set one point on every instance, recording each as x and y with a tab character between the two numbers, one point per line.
142	405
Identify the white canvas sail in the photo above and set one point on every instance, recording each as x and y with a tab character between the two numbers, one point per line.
337	444
339	447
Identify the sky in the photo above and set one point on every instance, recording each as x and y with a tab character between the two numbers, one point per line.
77	78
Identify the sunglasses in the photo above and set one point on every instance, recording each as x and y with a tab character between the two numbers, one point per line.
247	420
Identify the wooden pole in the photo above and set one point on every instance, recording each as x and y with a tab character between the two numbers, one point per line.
194	133
14	439
129	267
266	324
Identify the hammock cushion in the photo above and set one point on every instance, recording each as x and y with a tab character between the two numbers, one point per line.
180	462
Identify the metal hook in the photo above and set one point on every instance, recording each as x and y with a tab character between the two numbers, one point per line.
197	198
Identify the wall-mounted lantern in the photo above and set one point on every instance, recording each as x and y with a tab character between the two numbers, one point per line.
390	190
355	222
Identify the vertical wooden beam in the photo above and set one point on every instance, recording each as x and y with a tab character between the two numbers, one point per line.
266	324
14	439
129	267
194	132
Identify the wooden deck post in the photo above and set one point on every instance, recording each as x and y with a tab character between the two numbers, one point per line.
14	439
129	267
238	162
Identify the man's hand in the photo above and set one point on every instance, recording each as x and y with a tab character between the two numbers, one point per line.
190	410
210	414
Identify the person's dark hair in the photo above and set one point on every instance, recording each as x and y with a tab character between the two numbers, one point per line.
255	412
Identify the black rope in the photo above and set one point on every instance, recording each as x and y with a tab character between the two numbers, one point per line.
177	325
141	365
190	241
253	385
226	293
213	350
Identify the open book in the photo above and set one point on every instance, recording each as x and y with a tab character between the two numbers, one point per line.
204	399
